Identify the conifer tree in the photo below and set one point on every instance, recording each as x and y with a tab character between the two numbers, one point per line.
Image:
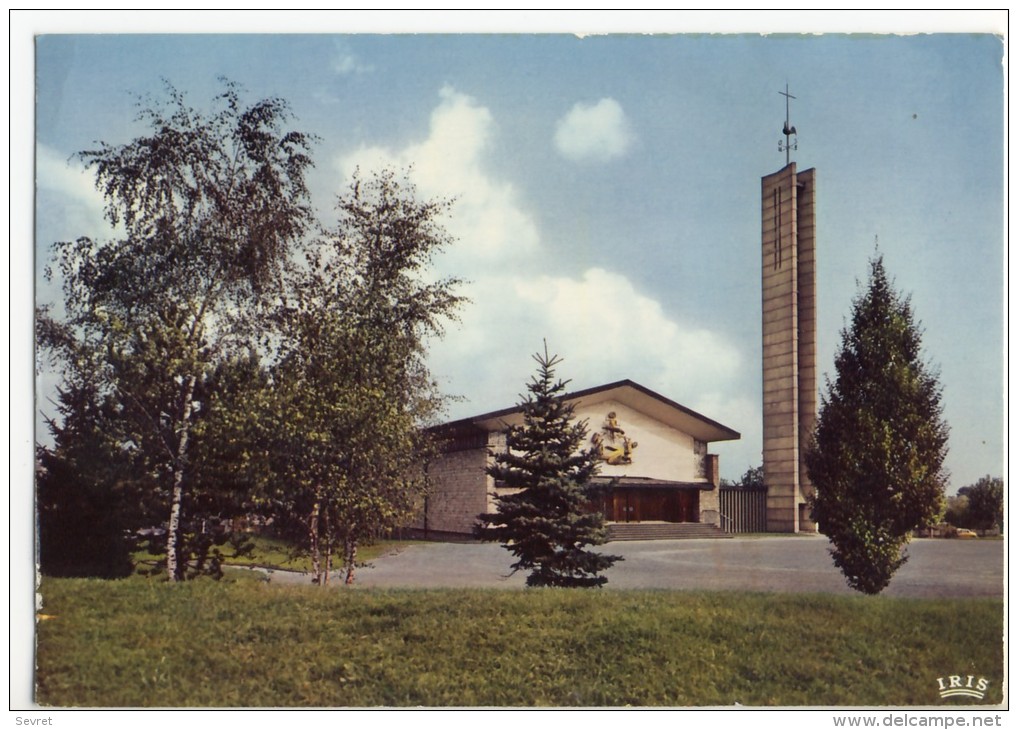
877	457
548	524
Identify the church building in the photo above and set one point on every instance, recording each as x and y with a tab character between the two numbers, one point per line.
653	451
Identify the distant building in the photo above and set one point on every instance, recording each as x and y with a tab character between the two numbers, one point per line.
653	450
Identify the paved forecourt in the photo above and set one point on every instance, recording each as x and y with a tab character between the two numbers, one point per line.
936	568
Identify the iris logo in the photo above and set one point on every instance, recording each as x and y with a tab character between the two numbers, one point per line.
963	686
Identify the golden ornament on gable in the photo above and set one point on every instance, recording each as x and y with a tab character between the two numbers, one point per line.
611	444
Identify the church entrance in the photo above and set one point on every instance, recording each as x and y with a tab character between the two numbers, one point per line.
653	504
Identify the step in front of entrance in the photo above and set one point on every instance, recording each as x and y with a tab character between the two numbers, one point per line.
663	531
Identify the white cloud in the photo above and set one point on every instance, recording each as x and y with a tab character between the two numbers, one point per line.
601	318
74	186
488	218
344	61
603	328
597	321
596	132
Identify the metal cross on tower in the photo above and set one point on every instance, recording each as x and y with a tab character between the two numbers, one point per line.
788	131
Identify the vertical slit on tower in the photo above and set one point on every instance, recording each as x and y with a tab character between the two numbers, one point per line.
777	228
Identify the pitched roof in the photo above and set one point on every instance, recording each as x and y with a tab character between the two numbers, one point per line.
628	393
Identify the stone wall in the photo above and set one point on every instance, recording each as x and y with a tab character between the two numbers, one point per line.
458	492
710	507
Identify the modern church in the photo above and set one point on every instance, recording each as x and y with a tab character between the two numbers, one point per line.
653	453
663	482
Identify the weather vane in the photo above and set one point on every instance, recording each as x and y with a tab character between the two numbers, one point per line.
788	131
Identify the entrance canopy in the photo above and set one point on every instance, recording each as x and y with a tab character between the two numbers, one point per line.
632	499
646	483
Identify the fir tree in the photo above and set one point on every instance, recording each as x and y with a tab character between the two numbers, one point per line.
549	522
878	451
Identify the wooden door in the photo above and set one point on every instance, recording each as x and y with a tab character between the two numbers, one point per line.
626	505
654	505
673	506
689	505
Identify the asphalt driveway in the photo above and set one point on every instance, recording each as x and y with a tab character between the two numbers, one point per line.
936	568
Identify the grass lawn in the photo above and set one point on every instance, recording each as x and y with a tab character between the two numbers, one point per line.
244	643
273	553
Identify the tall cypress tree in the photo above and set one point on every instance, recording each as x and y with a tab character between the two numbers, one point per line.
548	524
877	457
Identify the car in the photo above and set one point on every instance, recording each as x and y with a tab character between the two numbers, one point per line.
963	534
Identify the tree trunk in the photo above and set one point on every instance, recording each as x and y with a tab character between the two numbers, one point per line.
316	564
328	550
174	566
349	557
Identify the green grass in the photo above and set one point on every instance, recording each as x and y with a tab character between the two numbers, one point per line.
273	553
244	643
270	552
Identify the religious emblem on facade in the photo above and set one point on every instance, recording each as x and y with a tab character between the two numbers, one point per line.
611	444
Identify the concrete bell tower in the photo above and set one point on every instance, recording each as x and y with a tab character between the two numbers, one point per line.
788	276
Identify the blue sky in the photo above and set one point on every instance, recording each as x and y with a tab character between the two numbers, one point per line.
608	190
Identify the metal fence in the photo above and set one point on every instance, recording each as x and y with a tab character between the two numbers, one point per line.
743	510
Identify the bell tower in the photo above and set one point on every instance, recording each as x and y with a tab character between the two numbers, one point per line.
788	285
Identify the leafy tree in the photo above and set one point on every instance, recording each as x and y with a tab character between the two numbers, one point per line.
352	390
957	512
204	210
877	455
229	474
548	523
752	478
985	502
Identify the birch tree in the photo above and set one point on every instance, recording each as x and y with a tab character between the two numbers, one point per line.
352	389
204	209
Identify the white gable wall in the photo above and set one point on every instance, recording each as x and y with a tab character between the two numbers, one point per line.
662	452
